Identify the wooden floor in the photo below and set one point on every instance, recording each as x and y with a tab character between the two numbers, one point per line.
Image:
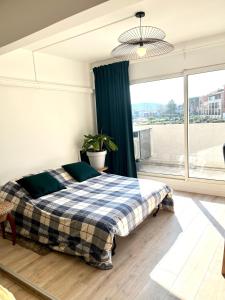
18	291
172	256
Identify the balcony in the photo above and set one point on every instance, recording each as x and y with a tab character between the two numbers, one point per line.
159	149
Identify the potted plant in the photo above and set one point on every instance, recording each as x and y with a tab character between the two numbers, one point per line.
96	147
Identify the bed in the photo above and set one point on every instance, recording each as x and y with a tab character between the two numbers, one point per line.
85	218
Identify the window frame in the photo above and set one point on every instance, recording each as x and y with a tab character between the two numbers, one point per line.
184	74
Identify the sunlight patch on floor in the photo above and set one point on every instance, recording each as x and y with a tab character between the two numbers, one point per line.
183	269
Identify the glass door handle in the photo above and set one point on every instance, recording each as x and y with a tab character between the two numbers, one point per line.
224	152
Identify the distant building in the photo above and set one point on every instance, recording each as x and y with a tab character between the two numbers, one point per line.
203	105
146	114
213	104
136	114
216	103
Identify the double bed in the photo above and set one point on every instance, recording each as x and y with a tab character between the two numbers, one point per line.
85	218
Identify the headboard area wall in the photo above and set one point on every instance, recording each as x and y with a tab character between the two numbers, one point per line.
42	124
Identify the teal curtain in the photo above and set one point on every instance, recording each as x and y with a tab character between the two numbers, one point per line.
114	116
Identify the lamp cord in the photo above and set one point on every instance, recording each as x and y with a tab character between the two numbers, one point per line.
140	29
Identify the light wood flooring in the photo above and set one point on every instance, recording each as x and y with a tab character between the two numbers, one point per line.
172	256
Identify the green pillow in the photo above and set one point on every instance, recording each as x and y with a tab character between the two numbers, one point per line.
81	171
40	184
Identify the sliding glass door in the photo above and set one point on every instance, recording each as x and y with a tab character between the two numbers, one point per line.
158	123
166	135
206	125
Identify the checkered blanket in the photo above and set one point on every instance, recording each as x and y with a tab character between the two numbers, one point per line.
84	218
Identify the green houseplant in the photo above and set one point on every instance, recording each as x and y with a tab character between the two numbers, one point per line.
96	147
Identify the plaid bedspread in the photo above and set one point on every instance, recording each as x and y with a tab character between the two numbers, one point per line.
84	218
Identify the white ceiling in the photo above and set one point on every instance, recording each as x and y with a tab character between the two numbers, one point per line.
182	20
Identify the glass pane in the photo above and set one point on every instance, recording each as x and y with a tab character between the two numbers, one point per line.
206	125
157	109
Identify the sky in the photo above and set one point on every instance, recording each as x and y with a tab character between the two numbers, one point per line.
162	91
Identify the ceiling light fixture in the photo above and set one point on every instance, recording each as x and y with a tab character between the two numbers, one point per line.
141	42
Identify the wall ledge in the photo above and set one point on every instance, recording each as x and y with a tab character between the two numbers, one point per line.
55	86
190	185
182	48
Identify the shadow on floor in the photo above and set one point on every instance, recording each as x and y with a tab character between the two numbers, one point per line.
215	223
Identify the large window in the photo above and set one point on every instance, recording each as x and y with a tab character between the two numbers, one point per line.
177	136
206	125
158	119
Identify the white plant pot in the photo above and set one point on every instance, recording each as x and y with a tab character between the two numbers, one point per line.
97	159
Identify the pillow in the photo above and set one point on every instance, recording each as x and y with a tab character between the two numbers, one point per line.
61	175
40	184
81	171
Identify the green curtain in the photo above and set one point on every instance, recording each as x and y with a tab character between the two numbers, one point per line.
114	116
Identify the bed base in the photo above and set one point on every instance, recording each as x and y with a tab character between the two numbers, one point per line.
114	246
114	239
156	212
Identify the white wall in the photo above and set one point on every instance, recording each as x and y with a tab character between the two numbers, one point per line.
194	55
42	125
19	64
